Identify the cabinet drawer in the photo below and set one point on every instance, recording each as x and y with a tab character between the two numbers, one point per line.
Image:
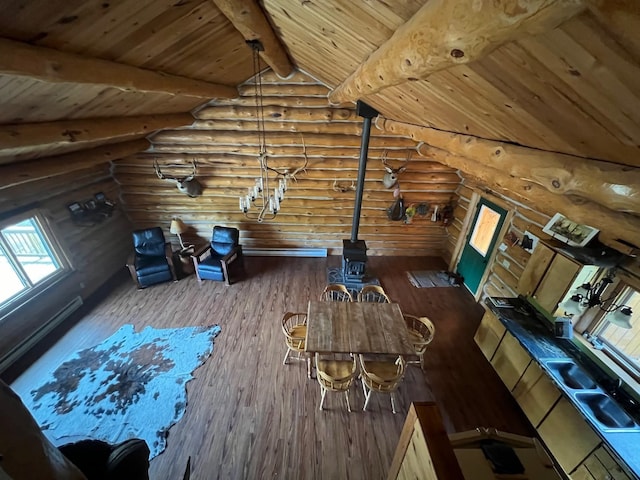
535	393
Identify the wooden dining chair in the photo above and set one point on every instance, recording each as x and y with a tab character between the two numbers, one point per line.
294	327
335	376
421	331
381	377
373	293
336	292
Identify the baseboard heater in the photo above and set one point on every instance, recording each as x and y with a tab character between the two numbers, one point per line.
285	252
39	334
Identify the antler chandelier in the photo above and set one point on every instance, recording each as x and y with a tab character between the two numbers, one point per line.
259	203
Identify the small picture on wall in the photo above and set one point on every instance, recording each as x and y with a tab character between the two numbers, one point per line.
568	231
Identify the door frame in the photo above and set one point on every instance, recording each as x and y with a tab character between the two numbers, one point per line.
467	224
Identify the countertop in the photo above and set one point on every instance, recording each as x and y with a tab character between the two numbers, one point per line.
534	333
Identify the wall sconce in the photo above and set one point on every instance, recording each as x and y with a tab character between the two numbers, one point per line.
178	228
587	296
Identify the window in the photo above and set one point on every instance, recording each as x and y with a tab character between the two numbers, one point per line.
622	344
30	259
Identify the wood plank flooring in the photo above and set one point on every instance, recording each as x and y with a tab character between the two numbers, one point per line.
248	416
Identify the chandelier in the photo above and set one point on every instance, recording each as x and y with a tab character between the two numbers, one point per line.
262	201
590	295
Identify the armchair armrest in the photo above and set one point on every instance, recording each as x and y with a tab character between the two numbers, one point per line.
228	259
169	254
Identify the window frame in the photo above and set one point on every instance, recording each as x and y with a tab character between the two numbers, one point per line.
54	248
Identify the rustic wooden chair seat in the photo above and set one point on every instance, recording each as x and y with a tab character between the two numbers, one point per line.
335	292
336	376
373	293
381	377
294	327
422	331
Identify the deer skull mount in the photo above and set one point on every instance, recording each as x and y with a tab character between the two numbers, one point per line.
390	179
187	185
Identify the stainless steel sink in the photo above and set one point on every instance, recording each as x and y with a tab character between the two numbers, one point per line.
570	374
605	411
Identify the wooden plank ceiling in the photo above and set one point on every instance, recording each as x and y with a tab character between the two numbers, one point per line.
569	88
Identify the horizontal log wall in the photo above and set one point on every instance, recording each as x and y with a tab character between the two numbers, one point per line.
318	207
96	252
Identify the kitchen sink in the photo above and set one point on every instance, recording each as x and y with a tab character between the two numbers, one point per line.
570	374
605	411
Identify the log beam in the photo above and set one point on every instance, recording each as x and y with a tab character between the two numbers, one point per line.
20	137
250	20
54	66
445	33
24	172
613	186
619	225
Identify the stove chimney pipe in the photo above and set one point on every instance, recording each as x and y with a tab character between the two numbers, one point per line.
367	112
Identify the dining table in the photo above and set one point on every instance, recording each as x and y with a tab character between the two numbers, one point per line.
357	327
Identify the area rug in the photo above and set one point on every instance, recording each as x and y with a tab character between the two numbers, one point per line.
430	278
132	385
335	275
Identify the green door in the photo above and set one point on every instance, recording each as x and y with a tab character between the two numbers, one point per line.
481	241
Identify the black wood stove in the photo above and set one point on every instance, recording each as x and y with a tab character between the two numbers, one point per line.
354	251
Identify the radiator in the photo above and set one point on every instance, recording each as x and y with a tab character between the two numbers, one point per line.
39	334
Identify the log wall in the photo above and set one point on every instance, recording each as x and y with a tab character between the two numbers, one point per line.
96	252
315	212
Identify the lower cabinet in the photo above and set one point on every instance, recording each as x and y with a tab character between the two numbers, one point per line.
489	333
600	464
535	393
567	435
510	360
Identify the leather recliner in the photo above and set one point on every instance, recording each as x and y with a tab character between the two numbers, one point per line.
151	261
219	259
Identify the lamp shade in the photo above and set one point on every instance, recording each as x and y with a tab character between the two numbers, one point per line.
572	306
621	317
177	226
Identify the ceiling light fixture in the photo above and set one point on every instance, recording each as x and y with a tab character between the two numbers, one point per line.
260	203
587	296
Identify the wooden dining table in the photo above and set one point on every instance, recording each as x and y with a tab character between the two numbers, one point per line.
357	327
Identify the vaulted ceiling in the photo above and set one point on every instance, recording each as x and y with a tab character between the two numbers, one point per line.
559	76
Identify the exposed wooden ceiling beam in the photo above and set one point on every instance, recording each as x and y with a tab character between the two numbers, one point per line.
618	225
614	186
54	66
25	172
619	17
445	33
250	20
20	137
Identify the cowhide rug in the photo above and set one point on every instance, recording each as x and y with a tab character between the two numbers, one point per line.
132	385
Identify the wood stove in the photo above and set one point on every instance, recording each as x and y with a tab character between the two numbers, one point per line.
354	251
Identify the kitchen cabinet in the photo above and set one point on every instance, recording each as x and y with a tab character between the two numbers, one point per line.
489	333
600	464
535	393
550	275
510	360
568	435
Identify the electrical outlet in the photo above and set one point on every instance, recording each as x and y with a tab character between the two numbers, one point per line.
506	263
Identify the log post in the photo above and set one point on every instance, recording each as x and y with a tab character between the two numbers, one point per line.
249	19
613	186
444	33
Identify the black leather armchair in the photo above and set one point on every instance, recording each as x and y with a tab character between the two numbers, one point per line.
222	258
151	261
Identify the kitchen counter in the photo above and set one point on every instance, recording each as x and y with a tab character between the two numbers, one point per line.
534	333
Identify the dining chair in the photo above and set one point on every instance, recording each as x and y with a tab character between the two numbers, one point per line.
335	375
381	377
421	331
373	293
336	292
294	327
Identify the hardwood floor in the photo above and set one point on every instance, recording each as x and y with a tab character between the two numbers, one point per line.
249	416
